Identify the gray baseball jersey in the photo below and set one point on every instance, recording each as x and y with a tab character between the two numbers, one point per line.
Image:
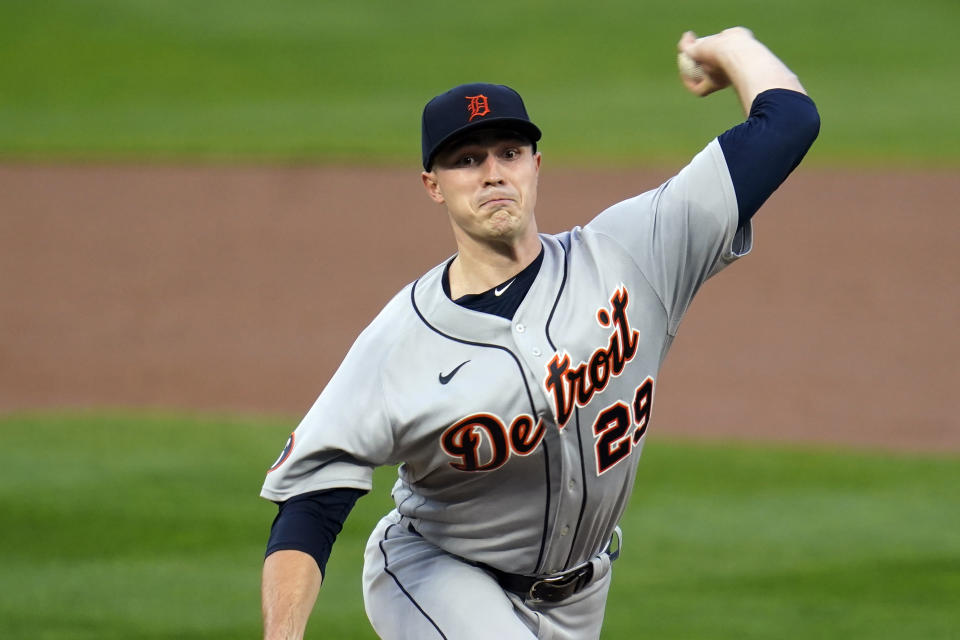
519	440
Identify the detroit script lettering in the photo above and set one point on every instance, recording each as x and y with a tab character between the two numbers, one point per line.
568	387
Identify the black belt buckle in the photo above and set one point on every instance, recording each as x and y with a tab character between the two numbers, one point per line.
557	588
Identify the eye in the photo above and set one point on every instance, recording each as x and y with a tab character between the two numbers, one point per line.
468	160
511	153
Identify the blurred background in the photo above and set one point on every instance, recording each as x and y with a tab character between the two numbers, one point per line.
330	82
202	204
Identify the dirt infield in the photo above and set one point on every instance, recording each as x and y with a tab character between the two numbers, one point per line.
240	289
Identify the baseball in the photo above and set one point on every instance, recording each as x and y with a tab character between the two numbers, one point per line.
689	68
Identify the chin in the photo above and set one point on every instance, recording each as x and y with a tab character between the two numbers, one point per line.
503	222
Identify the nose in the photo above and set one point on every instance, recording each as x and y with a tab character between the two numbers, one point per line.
492	170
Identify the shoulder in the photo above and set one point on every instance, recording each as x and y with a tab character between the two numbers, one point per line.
400	317
392	319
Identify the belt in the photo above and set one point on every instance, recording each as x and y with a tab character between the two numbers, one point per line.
556	587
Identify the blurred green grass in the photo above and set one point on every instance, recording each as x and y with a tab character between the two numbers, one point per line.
301	80
120	525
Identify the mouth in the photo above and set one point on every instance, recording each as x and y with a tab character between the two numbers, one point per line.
496	202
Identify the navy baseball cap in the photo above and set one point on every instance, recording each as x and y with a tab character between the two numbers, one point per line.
472	106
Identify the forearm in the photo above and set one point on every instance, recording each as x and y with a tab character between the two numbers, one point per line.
301	538
753	69
291	582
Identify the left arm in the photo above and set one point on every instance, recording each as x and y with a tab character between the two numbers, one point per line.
697	223
782	121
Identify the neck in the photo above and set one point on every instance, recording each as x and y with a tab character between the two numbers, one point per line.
479	267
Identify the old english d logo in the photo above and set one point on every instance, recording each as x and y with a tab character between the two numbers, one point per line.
477	106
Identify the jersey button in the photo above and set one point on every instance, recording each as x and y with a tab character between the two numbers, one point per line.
571	484
536	353
565	530
520	327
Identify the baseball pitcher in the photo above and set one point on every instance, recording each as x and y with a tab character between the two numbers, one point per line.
514	383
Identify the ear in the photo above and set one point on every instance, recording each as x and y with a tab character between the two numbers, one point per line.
432	186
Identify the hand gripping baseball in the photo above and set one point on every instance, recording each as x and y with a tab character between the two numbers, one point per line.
701	59
731	57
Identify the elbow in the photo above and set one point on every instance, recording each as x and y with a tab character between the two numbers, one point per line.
807	124
803	129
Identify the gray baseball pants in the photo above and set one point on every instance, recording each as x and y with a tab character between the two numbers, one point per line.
413	590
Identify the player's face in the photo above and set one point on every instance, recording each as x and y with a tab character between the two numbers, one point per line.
488	181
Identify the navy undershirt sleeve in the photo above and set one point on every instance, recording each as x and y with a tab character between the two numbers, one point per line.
763	150
310	522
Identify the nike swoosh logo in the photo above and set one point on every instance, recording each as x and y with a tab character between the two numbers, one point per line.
444	379
499	292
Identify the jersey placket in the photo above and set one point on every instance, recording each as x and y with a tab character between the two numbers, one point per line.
566	463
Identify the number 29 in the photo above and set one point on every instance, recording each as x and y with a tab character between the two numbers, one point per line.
612	428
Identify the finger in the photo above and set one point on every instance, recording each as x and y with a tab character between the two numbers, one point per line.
701	85
686	40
